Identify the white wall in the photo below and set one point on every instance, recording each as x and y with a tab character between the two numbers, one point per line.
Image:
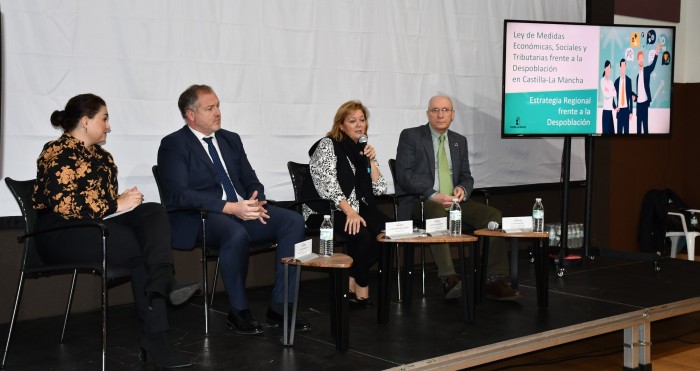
281	68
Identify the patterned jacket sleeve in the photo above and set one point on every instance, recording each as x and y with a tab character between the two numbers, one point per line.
379	187
324	173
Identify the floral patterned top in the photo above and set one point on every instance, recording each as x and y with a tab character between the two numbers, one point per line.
74	182
324	174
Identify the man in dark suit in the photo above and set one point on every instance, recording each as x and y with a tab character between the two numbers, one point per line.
418	170
625	96
204	166
644	91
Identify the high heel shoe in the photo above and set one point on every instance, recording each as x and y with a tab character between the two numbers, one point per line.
359	302
162	352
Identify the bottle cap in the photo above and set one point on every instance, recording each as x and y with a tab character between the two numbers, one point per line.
455	199
326	217
538	199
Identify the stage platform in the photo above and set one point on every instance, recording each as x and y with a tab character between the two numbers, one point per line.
600	296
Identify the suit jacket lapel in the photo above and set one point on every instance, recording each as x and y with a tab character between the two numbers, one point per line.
456	156
198	150
227	155
427	143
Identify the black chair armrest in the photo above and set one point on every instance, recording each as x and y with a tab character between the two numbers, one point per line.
297	204
481	192
283	204
396	197
202	212
83	224
386	197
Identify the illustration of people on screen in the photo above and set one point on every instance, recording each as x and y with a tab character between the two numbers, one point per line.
625	97
644	91
609	93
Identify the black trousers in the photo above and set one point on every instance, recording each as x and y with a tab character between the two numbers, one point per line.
138	239
362	247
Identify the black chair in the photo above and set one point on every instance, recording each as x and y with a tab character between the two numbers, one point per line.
300	173
208	254
33	267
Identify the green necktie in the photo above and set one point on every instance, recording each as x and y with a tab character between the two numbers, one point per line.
444	175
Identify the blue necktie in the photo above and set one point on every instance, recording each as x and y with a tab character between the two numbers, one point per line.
221	172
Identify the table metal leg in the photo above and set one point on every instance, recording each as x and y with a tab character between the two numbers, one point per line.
339	308
285	338
294	306
288	331
481	278
541	278
468	281
383	293
514	263
408	276
398	271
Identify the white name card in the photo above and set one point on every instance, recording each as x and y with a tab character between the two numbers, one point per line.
436	224
303	251
517	224
401	228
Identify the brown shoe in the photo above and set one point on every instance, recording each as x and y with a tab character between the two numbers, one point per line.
499	289
452	285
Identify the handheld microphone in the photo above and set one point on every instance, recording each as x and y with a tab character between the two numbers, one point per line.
493	226
363	143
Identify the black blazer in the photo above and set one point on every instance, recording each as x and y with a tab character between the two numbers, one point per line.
415	165
189	179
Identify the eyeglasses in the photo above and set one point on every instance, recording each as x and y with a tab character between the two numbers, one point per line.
443	110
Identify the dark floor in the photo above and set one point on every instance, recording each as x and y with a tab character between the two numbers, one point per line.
597	289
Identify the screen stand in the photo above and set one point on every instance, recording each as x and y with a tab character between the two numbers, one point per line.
563	258
589	194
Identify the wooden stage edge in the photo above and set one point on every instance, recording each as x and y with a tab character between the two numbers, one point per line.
632	322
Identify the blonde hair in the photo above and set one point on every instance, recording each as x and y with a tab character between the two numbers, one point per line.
344	111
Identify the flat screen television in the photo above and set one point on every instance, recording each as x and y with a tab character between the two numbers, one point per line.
563	79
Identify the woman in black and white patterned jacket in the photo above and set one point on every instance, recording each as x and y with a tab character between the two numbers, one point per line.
347	172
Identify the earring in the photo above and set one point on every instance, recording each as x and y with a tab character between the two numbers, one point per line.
85	129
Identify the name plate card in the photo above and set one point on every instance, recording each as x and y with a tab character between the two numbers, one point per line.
303	251
399	229
436	225
517	224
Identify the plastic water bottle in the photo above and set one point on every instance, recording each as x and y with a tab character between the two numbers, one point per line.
326	238
538	216
551	228
455	218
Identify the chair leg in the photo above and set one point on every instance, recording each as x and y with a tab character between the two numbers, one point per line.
205	289
674	246
213	286
285	336
20	286
422	265
104	316
690	246
69	304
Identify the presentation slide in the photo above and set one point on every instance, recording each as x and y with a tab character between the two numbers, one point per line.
565	79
